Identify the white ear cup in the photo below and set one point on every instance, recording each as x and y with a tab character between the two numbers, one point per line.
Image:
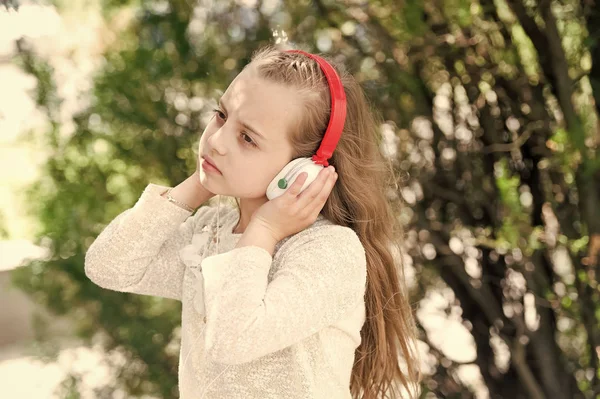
290	172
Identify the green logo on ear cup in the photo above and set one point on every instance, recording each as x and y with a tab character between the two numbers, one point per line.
282	183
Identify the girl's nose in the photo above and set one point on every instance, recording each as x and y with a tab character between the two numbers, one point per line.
217	141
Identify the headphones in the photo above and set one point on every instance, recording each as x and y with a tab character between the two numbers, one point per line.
317	162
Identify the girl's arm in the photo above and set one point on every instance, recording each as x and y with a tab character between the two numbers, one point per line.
323	276
138	251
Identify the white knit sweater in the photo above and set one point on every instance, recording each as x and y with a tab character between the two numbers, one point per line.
253	325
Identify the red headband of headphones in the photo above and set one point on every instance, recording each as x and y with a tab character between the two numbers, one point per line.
338	110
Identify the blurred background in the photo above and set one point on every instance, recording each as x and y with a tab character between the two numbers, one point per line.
491	123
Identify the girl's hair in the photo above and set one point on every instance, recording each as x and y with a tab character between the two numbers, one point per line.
358	201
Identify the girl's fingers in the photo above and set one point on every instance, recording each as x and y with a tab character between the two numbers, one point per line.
323	194
318	202
294	189
312	192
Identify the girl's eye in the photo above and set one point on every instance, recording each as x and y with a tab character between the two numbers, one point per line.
251	142
221	115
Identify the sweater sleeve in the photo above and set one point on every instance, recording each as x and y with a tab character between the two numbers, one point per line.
138	251
322	277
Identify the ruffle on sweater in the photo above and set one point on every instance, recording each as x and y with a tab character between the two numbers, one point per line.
193	253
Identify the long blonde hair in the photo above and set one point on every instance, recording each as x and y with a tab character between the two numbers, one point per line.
358	201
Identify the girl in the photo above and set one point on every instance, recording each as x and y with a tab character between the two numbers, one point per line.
294	297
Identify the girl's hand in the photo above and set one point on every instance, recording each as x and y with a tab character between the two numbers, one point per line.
293	211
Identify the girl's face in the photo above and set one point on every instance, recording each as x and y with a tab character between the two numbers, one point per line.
247	137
